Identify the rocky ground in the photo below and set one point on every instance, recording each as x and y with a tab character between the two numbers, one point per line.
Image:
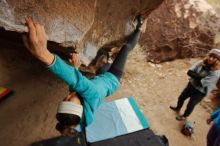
29	114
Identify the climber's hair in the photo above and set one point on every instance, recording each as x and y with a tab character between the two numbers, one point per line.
65	123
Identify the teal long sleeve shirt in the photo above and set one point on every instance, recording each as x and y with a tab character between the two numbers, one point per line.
216	117
92	91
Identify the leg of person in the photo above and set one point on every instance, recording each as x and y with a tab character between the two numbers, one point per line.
217	140
195	98
186	93
212	135
118	65
104	68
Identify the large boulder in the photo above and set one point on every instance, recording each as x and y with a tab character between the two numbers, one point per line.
65	21
216	6
179	29
86	24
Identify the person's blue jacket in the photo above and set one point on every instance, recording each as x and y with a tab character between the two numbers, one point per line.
91	91
216	117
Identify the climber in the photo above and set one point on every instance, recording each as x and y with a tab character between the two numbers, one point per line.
203	76
85	95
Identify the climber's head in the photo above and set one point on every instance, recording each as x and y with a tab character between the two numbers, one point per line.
69	114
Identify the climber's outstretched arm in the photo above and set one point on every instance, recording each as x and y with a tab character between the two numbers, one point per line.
36	42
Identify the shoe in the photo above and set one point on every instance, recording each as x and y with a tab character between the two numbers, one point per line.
180	118
140	21
110	60
174	109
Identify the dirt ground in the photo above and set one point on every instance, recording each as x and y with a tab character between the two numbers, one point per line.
29	114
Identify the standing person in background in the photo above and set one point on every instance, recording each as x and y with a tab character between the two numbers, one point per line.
213	137
203	77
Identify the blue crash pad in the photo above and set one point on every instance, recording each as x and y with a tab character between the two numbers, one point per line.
116	118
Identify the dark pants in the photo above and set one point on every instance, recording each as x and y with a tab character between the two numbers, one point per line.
213	137
117	67
195	97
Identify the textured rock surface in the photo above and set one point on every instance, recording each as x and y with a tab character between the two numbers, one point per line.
180	28
65	21
177	29
216	5
78	23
